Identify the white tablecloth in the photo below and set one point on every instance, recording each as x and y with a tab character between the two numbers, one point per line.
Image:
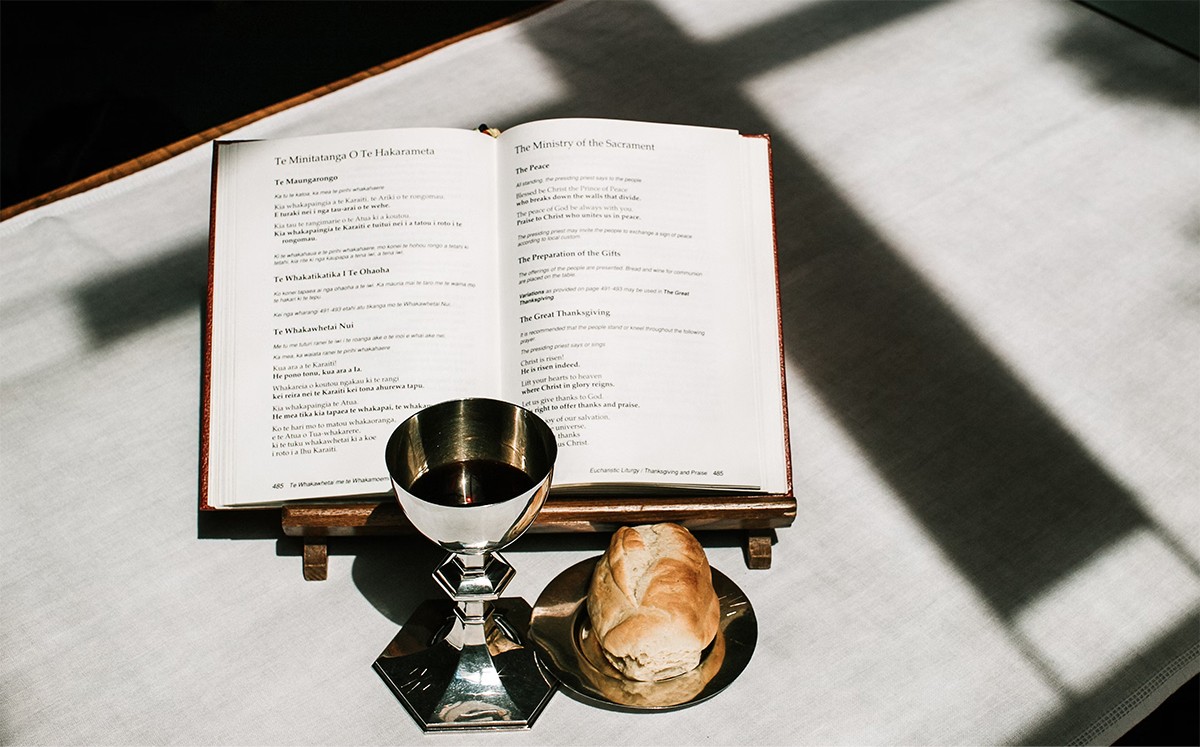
988	232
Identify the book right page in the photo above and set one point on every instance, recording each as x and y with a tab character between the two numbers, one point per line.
634	252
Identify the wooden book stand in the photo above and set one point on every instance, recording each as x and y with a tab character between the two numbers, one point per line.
757	515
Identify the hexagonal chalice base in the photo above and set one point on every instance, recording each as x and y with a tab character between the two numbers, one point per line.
449	680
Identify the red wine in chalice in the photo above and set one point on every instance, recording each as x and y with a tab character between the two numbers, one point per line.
472	482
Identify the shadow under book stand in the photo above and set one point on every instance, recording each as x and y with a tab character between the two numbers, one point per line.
757	516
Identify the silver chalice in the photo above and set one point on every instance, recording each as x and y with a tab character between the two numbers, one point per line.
471	475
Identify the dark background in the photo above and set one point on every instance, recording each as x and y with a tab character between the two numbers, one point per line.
86	86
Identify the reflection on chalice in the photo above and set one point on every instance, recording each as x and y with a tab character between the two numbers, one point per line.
471	475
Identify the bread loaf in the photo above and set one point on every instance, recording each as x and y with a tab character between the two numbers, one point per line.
651	602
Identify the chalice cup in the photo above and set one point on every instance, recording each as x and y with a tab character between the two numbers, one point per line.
471	475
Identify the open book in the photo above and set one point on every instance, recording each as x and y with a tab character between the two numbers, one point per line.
618	278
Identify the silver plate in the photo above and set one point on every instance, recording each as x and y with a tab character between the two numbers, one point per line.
562	635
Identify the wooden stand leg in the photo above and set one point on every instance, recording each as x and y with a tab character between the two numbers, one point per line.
758	548
316	560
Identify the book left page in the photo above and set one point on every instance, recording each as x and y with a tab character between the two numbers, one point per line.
353	283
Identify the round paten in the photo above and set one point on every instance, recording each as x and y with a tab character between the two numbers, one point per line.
566	646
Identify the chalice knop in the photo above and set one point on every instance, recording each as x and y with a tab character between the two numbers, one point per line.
471	475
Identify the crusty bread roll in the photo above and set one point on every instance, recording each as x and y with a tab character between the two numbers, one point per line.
661	694
651	602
